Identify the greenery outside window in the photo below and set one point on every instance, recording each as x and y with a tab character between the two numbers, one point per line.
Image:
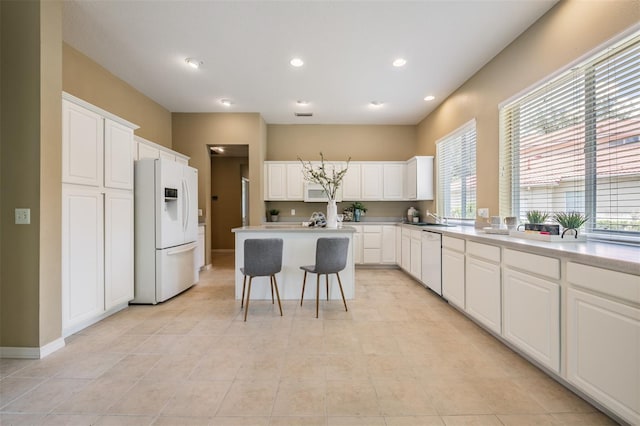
456	155
573	144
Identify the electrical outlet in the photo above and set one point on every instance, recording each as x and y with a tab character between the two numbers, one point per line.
23	216
483	213
293	212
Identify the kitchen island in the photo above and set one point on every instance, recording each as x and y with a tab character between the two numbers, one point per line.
299	248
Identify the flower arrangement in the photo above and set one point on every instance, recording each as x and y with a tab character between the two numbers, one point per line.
324	175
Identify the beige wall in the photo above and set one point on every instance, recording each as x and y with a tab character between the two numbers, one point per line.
568	31
192	132
226	210
339	142
84	78
30	311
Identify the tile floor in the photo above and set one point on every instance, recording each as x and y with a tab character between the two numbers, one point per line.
400	356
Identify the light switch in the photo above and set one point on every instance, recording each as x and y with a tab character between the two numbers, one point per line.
23	216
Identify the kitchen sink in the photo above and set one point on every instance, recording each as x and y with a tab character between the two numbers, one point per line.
429	224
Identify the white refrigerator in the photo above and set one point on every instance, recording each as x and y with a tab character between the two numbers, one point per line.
166	229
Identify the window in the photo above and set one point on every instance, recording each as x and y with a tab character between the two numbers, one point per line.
456	154
574	145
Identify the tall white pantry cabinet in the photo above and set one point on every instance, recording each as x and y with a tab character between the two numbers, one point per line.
97	214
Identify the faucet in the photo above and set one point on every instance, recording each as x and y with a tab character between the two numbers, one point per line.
438	219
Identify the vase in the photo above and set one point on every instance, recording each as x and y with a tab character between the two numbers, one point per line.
332	214
356	215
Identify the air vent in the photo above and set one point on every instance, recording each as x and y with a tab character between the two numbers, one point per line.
303	114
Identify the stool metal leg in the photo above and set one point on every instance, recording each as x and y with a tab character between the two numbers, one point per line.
304	282
326	276
244	283
342	292
275	284
246	309
271	282
317	293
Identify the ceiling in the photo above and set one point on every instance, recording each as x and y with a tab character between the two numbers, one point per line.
347	46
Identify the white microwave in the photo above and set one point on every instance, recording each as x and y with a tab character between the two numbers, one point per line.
313	193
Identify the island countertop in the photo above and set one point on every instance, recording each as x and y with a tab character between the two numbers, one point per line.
292	227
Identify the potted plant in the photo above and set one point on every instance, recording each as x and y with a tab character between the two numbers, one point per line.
274	214
329	178
570	221
358	210
535	218
416	216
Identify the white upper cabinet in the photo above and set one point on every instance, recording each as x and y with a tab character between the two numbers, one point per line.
275	183
295	182
371	180
147	151
118	155
352	183
82	134
393	176
419	184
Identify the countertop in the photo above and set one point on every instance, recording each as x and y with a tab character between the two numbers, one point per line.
290	227
619	257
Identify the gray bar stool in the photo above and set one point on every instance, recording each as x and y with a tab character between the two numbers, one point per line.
331	258
262	258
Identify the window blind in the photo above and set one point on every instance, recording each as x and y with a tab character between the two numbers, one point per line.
456	155
573	144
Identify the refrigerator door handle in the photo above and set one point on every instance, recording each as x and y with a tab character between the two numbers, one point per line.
182	249
185	205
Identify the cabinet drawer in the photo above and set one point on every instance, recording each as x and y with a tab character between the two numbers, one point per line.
453	243
358	228
416	234
372	228
541	265
612	283
484	251
371	255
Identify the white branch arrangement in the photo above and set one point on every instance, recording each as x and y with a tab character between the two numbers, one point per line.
324	175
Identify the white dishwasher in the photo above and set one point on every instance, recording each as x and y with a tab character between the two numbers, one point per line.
432	260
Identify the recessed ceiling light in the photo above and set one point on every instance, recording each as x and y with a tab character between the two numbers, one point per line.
400	62
296	62
429	98
376	104
226	102
194	63
302	103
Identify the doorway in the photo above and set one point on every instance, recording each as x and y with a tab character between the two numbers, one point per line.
229	193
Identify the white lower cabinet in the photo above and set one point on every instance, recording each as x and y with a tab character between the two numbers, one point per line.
371	244
532	316
406	250
82	255
453	273
483	292
416	255
357	245
603	337
118	248
388	248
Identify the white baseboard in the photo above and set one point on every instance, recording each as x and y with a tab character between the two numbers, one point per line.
32	353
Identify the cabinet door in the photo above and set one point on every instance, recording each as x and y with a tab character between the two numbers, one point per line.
398	245
275	181
200	260
146	151
371	181
416	258
393	181
118	248
406	253
357	248
351	183
82	145
532	316
453	277
295	182
118	155
483	293
82	255
388	244
603	349
412	179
